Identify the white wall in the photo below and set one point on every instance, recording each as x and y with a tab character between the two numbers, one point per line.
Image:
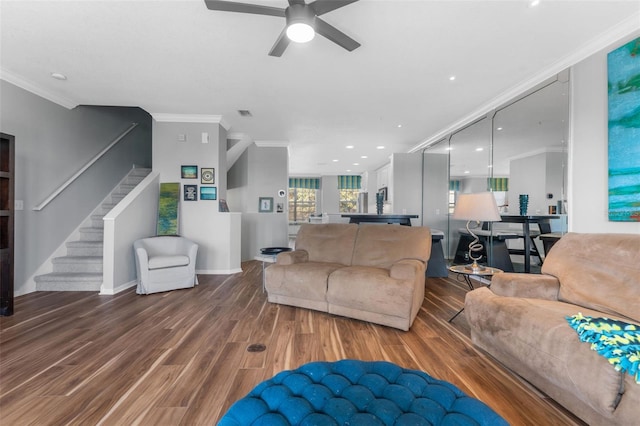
216	233
330	195
588	167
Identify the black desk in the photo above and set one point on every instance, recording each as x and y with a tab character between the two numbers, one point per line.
545	227
402	219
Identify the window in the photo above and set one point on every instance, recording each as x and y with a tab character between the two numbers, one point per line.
349	200
302	204
302	198
349	187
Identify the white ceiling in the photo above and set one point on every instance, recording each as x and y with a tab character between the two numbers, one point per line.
178	57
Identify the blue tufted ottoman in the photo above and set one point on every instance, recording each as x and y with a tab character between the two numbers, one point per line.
351	392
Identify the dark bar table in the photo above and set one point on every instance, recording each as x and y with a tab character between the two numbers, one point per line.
402	219
544	222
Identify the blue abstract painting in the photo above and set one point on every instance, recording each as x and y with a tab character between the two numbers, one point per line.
624	132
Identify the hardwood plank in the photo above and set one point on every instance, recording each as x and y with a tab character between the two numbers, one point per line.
180	357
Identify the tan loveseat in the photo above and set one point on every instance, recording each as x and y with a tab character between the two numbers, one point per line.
369	272
520	320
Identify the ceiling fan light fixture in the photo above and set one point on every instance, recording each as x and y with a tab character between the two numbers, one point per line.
300	32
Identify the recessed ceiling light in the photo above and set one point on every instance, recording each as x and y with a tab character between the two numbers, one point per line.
453	77
58	76
490	166
479	149
348	170
449	148
466	172
399	125
499	128
349	146
356	164
534	3
364	156
379	147
335	160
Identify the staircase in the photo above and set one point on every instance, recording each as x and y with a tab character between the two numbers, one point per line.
81	268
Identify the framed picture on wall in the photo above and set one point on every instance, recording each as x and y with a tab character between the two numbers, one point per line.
189	172
208	193
207	175
265	205
190	192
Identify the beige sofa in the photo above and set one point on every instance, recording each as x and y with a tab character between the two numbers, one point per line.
369	272
520	320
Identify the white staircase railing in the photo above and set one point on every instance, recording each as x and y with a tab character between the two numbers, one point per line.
69	181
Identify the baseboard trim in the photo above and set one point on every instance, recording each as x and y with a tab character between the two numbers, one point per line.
123	287
218	271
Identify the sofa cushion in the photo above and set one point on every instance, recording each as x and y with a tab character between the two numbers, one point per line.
307	280
328	242
598	271
534	339
371	289
383	245
159	262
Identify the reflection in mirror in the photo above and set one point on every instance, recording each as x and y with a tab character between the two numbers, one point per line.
521	149
469	168
435	184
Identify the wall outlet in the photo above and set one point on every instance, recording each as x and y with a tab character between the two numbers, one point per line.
205	137
182	137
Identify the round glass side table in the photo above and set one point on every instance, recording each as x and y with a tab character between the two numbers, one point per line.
466	273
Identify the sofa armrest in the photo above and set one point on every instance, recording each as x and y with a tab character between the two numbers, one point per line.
291	257
406	269
532	286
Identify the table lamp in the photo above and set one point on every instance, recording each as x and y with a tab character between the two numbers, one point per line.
480	207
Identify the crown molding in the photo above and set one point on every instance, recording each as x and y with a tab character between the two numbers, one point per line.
272	144
619	32
189	118
37	90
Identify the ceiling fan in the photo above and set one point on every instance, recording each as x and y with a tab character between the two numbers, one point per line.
302	21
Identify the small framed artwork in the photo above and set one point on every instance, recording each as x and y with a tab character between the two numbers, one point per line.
189	172
208	193
207	175
265	205
280	208
190	192
223	206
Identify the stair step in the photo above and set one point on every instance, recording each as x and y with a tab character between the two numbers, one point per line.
96	221
90	264
116	198
84	248
91	234
125	188
68	281
107	207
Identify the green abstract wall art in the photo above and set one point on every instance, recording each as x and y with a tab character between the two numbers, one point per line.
168	209
624	132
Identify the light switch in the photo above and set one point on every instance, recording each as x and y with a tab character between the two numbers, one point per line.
19	205
205	137
182	137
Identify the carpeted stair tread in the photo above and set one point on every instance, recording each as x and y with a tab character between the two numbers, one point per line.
78	259
69	277
88	244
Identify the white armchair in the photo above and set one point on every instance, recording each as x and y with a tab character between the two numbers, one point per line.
165	263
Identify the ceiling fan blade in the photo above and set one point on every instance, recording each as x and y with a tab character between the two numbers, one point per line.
280	44
335	35
231	6
320	7
292	2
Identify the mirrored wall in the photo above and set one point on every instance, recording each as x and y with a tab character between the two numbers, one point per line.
518	149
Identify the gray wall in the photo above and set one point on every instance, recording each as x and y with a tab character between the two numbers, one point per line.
406	190
52	143
260	172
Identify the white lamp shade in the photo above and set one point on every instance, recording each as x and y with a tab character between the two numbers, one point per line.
300	32
481	207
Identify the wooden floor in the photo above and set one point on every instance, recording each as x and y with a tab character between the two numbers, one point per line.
180	358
